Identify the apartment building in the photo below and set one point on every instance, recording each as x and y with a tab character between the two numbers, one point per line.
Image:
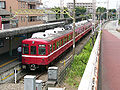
88	6
23	19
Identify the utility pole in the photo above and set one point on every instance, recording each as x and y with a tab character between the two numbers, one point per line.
62	8
107	9
10	39
117	11
94	13
73	28
118	14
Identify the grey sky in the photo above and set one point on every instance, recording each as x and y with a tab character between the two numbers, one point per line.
52	3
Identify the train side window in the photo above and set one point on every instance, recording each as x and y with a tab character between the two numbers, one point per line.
75	33
61	42
69	37
50	48
72	36
53	46
57	43
41	49
64	40
33	50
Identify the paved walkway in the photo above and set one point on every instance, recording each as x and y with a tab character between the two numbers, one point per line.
110	59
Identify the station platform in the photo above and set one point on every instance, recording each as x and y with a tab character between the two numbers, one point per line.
109	72
7	61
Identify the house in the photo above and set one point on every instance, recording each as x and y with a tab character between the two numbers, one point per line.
24	19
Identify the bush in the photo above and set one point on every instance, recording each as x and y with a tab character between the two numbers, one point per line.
79	64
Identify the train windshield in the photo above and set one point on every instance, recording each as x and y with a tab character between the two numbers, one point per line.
33	50
25	49
41	49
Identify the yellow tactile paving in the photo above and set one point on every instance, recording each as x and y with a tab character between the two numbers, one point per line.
8	62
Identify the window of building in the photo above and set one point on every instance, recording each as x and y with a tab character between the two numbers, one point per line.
2	4
31	6
24	19
21	18
21	4
32	18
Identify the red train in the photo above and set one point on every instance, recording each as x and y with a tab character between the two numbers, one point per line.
43	47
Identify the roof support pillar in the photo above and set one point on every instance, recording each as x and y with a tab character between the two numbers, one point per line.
10	46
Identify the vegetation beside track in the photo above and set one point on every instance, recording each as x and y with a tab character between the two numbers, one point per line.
79	64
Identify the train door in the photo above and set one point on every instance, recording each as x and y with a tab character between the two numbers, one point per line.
33	52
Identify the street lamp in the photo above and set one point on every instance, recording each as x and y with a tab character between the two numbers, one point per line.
100	20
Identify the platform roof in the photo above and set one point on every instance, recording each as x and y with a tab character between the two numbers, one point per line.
28	29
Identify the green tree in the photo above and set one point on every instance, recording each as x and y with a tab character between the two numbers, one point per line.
101	10
112	13
80	11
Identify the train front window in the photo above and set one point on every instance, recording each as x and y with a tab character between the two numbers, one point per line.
42	49
33	50
25	49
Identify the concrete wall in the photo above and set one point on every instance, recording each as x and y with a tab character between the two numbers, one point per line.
23	21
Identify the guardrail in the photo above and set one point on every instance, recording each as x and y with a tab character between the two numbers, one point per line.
89	79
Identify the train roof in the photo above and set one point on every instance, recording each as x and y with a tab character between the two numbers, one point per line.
49	36
52	34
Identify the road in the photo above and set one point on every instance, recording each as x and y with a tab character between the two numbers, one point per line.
109	72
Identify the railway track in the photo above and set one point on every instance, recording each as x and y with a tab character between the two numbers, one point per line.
36	73
61	62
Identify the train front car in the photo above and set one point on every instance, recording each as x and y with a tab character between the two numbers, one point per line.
34	53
